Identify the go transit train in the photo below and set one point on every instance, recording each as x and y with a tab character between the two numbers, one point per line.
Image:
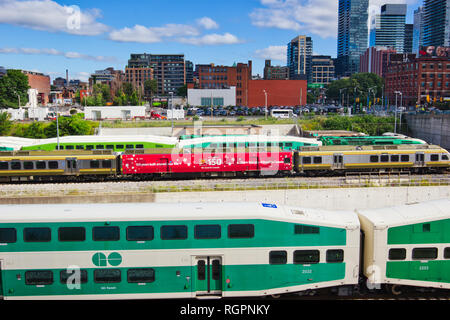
198	250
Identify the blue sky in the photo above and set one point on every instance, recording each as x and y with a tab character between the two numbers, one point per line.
83	36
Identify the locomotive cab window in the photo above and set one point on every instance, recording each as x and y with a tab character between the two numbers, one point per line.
444	157
106	233
8	235
335	256
434	157
39	277
71	234
241	231
140	233
37	234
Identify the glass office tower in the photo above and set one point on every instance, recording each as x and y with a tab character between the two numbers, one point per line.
388	27
436	23
299	55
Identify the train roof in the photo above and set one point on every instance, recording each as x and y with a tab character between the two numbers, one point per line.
173	211
15	143
247	138
405	147
106	139
408	214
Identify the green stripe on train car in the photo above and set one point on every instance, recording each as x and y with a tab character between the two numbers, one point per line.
430	270
233	278
427	232
267	234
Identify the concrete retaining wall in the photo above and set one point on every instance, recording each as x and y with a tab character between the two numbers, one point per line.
331	199
434	129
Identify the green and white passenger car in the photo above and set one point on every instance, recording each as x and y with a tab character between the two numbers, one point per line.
408	245
139	250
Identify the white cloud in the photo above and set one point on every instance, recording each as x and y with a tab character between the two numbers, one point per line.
54	52
212	39
143	34
207	23
47	15
318	17
278	53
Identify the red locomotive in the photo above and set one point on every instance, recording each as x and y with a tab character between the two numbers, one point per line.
209	164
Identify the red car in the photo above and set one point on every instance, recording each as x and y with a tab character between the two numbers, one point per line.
209	164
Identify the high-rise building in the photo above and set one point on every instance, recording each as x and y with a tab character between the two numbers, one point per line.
418	30
322	69
388	27
168	69
408	44
275	72
299	54
436	23
189	66
352	35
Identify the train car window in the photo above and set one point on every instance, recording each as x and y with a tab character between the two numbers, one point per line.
373	158
384	158
252	144
119	146
306	256
212	231
289	144
236	231
37	234
106	164
447	253
404	158
107	276
280	144
77	275
141	275
317	160
80	147
69	147
444	157
395	158
306	160
72	234
173	232
130	146
397	254
424	253
99	147
106	233
89	147
159	146
335	255
28	165
269	144
40	165
302	229
139	146
38	277
434	157
241	145
4	165
140	233
277	257
201	270
8	235
16	165
94	164
53	165
110	147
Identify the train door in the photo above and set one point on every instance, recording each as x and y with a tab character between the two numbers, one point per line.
208	276
420	159
71	166
338	161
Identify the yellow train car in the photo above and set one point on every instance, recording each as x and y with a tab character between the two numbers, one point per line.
56	165
420	158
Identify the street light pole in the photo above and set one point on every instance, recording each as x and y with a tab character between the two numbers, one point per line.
57	128
265	109
396	107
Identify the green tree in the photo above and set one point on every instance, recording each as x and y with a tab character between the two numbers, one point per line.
5	123
13	85
73	126
150	88
182	91
36	130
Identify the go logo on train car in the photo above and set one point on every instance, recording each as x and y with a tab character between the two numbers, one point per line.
101	260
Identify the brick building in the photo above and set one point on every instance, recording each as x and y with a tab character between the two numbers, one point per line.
275	72
419	80
279	93
137	76
41	83
210	76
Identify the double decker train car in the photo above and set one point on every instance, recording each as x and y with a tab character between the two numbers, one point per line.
369	140
199	250
139	250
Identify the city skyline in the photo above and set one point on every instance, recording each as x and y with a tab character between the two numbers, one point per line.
205	32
